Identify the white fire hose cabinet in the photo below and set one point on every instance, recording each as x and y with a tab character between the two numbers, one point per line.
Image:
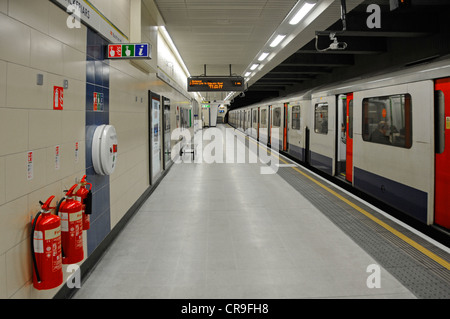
104	149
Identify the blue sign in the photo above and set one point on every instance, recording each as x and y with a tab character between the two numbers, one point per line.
141	50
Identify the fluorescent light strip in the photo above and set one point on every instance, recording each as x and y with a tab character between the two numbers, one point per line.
304	10
263	56
254	66
247	74
174	49
277	40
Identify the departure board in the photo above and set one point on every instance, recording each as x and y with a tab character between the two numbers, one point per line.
215	84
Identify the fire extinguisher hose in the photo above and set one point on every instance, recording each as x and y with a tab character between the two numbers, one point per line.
57	213
33	228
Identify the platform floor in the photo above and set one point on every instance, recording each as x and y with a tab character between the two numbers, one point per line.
227	231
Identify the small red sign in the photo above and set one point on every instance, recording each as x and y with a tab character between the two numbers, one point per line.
115	51
58	98
95	101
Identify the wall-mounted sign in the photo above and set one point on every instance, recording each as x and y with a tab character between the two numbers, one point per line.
57	156
30	166
211	84
130	51
98	101
58	97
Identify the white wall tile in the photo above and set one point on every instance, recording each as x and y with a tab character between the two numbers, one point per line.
2	180
45	128
15	40
73	126
3	276
74	63
4	6
22	90
33	13
18	270
13	131
46	53
2	84
16	174
15	223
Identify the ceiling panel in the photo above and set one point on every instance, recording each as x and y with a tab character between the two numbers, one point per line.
221	32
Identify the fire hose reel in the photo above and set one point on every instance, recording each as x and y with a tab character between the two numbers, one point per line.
104	149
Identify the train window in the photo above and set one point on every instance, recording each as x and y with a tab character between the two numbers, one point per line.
276	117
321	118
263	116
296	117
388	120
255	120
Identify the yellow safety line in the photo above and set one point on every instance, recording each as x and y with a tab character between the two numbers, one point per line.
406	239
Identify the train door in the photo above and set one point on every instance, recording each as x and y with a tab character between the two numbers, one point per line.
269	125
263	128
341	135
349	135
285	127
442	143
249	121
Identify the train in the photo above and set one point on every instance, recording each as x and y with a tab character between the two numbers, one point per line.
386	135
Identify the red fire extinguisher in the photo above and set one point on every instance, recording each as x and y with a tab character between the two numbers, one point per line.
84	195
70	211
46	248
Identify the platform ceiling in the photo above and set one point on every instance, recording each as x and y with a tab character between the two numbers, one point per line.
217	33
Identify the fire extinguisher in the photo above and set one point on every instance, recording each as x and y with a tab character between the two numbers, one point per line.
46	248
84	195
70	211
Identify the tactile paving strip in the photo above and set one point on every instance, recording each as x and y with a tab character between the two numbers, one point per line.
424	277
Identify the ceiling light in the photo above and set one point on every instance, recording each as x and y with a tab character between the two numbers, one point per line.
263	56
254	66
306	7
277	40
247	74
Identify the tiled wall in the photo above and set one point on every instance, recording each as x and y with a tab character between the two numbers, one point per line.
34	39
33	42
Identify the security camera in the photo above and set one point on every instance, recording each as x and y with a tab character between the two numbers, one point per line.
242	94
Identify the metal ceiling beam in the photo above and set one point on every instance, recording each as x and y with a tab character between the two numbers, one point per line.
383	34
281	69
274	83
325	60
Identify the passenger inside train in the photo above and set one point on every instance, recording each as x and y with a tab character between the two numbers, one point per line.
380	135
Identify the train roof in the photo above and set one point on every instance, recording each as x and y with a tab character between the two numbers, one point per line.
436	69
427	71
